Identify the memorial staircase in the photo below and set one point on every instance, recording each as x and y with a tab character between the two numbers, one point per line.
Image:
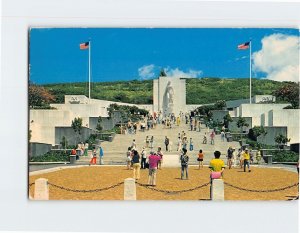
115	151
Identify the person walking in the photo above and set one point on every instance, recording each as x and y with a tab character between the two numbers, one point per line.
199	126
151	143
184	143
246	160
212	138
94	158
184	160
229	157
222	136
101	154
241	157
204	141
153	161
191	144
216	167
200	158
136	165
167	142
147	141
133	145
160	154
191	123
179	144
128	158
144	158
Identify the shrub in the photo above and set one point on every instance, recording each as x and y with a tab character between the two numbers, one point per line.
52	156
285	156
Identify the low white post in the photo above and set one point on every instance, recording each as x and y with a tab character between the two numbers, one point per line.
41	189
217	190
129	189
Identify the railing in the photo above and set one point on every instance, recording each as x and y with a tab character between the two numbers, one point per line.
42	189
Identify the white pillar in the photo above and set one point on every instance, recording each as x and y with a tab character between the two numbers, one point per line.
129	189
217	190
41	189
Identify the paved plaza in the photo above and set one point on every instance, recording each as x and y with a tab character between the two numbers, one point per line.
168	179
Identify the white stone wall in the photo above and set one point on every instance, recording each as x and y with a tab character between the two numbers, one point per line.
42	122
288	118
192	107
255	111
263	98
76	99
155	96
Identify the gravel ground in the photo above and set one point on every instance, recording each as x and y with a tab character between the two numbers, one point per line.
95	177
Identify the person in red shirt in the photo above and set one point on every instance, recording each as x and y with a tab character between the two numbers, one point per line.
153	161
94	158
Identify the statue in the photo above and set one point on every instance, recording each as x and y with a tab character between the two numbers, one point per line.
168	100
170	94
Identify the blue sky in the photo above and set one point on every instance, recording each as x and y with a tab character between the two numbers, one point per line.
132	53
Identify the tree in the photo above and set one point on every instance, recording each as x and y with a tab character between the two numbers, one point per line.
99	127
227	118
290	93
39	97
281	140
220	104
256	131
64	142
241	123
77	126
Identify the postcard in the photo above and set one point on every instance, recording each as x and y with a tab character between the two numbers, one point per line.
163	114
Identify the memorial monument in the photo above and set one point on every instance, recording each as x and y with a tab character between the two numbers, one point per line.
169	95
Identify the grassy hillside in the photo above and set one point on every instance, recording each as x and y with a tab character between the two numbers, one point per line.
199	91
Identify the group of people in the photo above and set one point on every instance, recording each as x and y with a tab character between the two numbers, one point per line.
93	160
137	161
182	142
242	158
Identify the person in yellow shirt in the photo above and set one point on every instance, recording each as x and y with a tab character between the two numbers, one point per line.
246	160
217	164
217	167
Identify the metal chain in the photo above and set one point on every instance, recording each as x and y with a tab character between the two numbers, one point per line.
31	184
85	191
172	191
263	191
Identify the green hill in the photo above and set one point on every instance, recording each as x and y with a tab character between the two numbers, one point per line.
199	91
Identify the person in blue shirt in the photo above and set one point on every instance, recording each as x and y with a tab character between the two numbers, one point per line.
101	156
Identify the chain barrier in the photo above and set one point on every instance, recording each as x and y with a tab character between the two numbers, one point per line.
172	191
85	191
31	184
262	191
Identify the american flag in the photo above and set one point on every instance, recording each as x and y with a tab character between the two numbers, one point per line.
84	45
244	46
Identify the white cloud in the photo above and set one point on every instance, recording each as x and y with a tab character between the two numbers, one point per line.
147	72
179	73
152	71
278	58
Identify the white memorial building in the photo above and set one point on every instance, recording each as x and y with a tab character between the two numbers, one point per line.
169	96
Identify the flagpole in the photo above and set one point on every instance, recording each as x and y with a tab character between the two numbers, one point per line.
90	45
250	72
